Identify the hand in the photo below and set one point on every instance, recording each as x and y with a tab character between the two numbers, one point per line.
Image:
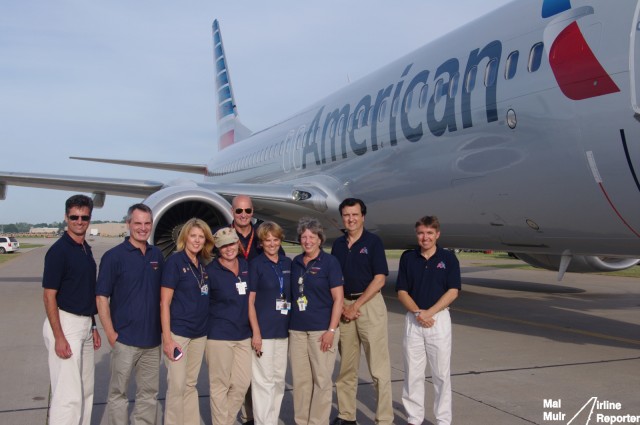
112	338
63	349
326	341
425	320
350	312
97	341
169	347
256	343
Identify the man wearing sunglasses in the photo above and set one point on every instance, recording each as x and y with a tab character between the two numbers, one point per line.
69	331
242	210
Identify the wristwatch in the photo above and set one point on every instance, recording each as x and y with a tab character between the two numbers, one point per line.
417	313
332	330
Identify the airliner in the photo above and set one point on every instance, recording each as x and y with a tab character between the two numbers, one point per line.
519	130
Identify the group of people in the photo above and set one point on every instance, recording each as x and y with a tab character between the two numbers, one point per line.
236	300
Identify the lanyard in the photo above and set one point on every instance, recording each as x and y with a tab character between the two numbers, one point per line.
276	268
301	278
245	251
201	272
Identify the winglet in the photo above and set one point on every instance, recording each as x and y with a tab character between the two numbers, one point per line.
230	129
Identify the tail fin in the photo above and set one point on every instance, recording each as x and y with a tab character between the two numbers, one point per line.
230	129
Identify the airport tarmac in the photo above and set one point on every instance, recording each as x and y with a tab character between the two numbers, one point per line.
526	348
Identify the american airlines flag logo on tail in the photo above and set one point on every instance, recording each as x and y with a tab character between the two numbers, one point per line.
577	70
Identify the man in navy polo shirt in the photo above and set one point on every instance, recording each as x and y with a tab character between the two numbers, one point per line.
364	315
128	297
428	282
69	331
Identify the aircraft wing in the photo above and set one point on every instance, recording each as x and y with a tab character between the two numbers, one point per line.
110	186
171	166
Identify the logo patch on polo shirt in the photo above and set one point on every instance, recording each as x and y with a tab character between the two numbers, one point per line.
364	250
154	265
441	265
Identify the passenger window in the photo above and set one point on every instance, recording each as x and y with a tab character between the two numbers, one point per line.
395	107
453	85
438	90
424	92
408	99
491	73
512	65
383	109
470	82
535	57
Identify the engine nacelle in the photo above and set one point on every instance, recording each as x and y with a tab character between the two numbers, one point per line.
174	205
579	263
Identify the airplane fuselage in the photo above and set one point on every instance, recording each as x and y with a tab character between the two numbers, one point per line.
479	129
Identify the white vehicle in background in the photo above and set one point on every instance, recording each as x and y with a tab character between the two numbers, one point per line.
8	244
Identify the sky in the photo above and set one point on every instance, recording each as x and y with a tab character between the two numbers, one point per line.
135	80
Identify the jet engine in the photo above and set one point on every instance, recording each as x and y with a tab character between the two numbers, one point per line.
579	263
174	205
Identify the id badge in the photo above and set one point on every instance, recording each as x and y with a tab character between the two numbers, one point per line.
282	306
242	288
302	303
204	290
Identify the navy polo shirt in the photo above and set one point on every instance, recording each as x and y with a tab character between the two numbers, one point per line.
426	281
320	275
228	310
361	262
265	282
189	307
132	282
70	269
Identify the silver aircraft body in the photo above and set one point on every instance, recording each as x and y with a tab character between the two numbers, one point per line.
520	130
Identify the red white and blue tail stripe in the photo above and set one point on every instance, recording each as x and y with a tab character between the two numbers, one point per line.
230	130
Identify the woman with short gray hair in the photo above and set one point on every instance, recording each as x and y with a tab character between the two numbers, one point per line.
316	286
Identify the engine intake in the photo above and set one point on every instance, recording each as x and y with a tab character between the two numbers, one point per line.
173	206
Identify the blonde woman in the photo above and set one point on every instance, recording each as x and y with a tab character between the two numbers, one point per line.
184	308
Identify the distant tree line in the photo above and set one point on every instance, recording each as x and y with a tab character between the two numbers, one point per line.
25	227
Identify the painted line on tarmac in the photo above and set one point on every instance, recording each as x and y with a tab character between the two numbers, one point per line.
549	326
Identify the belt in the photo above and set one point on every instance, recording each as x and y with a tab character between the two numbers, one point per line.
352	297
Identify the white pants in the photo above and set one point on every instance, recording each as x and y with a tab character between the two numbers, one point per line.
267	380
432	345
72	378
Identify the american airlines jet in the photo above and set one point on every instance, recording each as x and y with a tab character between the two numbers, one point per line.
520	130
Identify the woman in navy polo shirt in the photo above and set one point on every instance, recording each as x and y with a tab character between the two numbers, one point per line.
184	308
229	335
316	283
269	306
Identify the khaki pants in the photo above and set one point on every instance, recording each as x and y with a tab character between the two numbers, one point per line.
311	369
181	406
370	331
267	381
146	362
229	365
72	378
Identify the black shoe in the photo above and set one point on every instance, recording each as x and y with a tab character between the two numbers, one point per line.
248	422
340	421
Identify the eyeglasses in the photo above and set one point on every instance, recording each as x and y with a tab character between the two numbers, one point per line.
82	217
246	210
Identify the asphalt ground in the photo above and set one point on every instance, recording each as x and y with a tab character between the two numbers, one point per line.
526	349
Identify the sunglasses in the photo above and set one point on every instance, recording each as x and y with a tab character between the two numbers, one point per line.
246	210
82	217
